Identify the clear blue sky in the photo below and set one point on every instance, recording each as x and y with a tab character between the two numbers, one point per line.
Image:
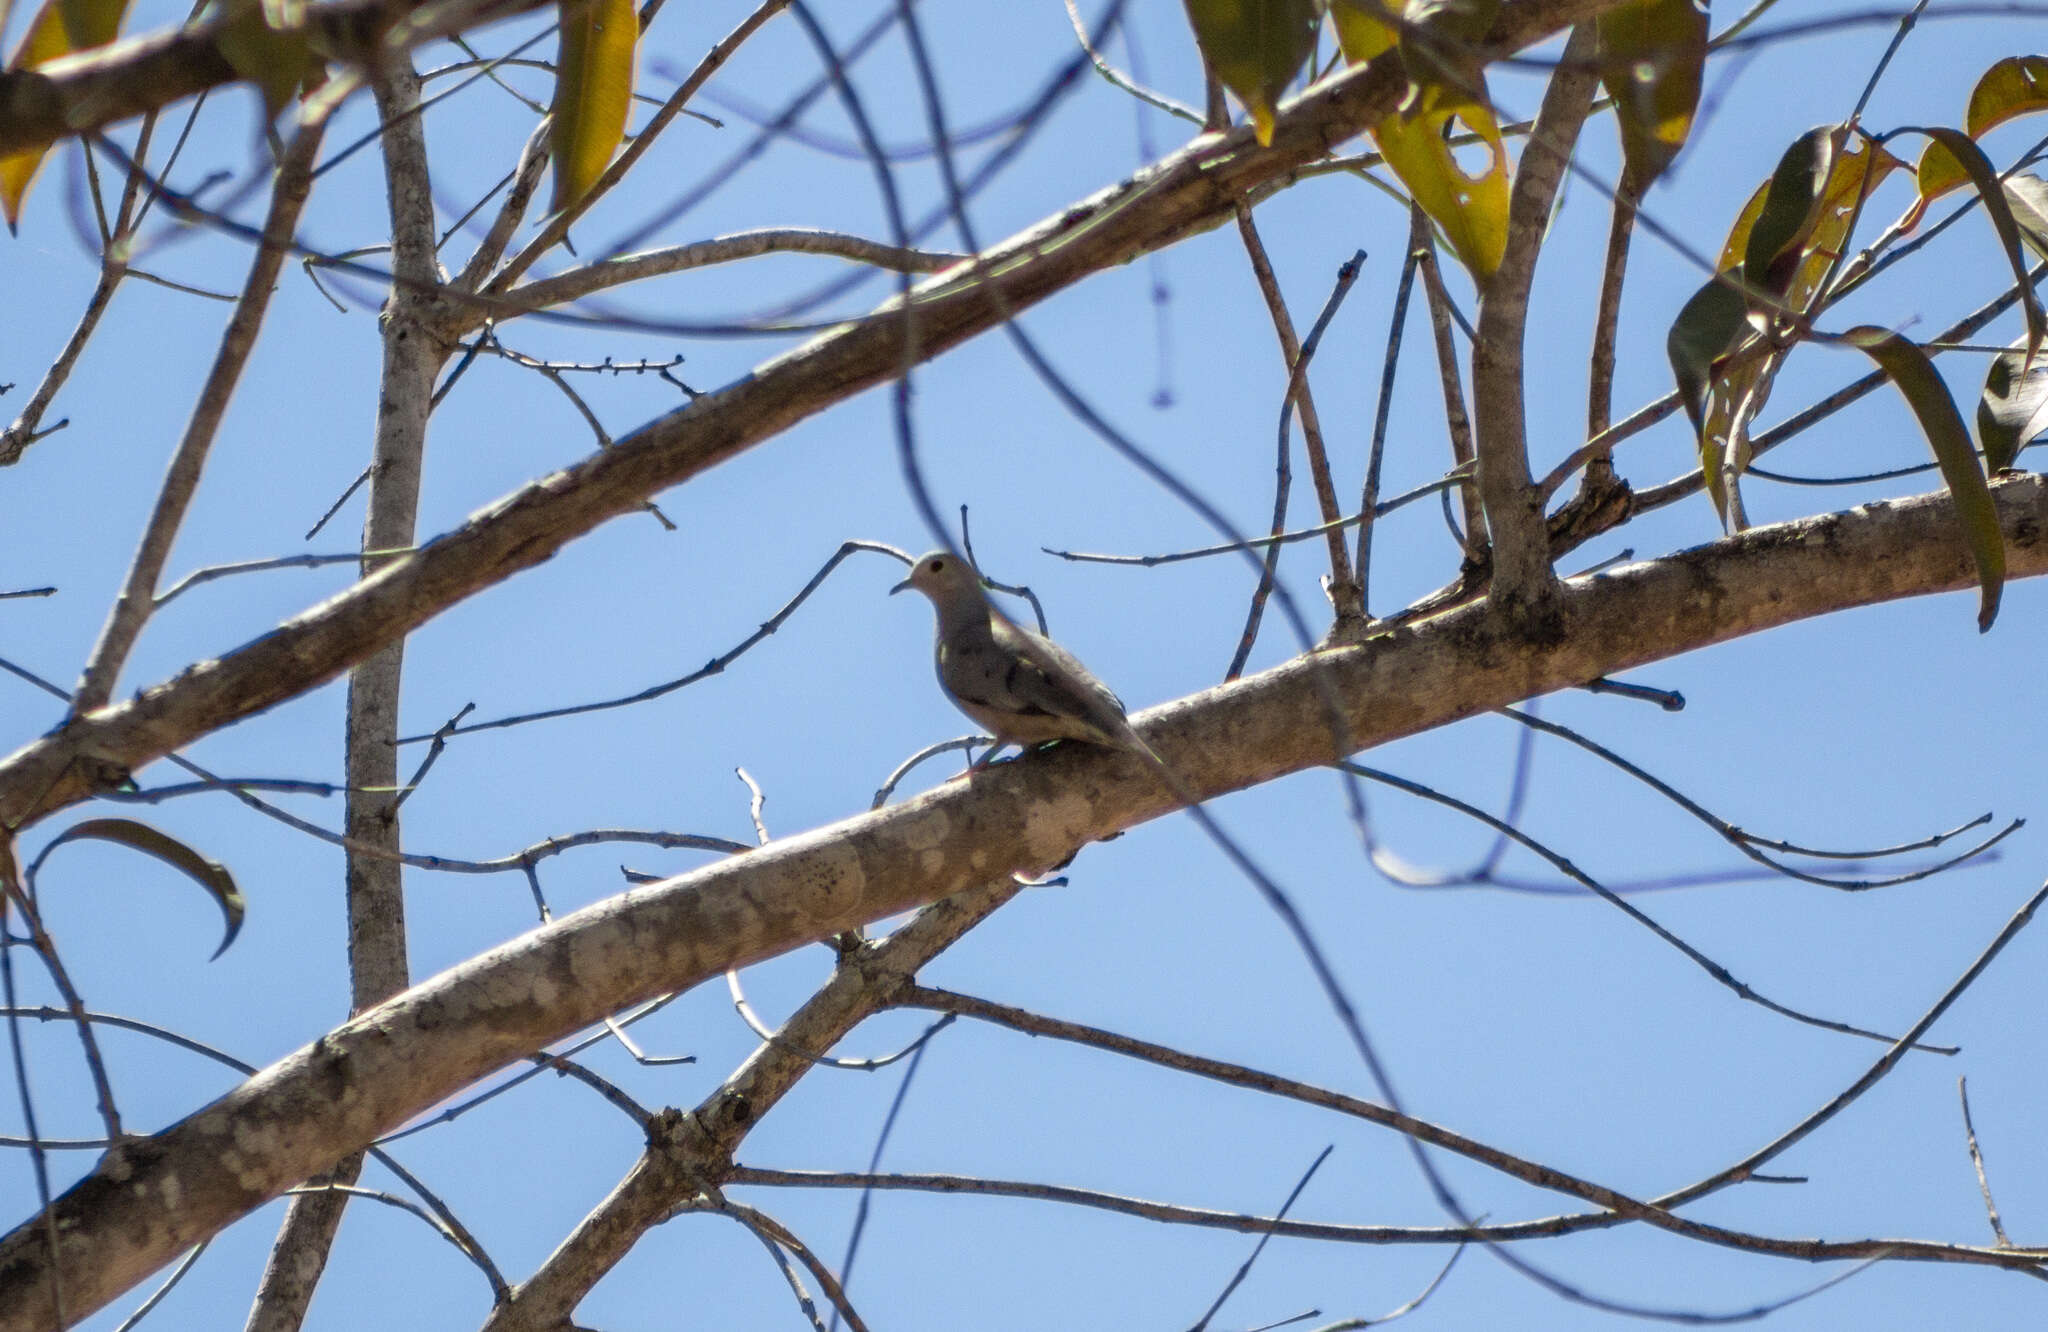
1547	1025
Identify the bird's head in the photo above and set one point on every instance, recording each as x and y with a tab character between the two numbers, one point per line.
942	576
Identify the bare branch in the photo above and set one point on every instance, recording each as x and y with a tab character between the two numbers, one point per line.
1523	583
450	1030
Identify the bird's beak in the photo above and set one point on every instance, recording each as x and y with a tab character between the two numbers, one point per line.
899	587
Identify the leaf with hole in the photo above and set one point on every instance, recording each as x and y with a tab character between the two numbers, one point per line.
208	874
2014	87
593	92
1651	55
1255	48
1471	208
1914	376
1795	200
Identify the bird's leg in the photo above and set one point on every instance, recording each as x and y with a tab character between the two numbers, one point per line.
986	755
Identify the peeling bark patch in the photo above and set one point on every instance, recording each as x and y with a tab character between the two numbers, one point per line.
1053	827
927	831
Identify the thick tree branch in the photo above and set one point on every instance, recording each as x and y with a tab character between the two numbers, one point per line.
152	1197
375	889
108	84
1522	577
690	1153
1186	192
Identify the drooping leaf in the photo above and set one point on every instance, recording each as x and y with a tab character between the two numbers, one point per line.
1999	209
1734	391
1705	332
1914	375
1459	21
267	47
2027	197
1651	55
61	27
2015	86
1471	209
1859	168
1794	202
1446	93
1438	38
208	874
2014	407
1255	48
1362	32
593	92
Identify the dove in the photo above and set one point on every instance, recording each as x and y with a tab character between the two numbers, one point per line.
1022	688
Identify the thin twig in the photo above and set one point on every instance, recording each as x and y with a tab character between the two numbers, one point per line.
132	608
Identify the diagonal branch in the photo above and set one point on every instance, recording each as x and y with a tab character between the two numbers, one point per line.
306	1111
131	609
107	84
1188	191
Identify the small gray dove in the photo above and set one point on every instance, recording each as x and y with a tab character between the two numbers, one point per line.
1022	688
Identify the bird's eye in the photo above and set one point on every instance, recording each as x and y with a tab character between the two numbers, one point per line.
937	566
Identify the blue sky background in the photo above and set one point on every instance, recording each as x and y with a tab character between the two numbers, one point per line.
1545	1024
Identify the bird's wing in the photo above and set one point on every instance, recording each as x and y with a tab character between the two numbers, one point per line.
1043	678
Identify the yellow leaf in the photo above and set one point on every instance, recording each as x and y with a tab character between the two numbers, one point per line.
2013	87
1853	161
60	28
1815	226
1361	34
1471	209
593	92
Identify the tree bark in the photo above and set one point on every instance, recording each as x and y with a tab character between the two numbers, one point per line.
155	1196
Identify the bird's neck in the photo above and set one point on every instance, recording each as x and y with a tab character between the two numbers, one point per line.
963	622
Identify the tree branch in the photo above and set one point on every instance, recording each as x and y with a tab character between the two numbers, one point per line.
1522	578
1189	191
151	1198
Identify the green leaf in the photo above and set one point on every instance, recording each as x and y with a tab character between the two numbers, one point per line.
2014	407
593	92
61	27
1651	55
1793	205
1255	48
1915	377
264	50
1705	332
1860	166
208	874
1997	207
